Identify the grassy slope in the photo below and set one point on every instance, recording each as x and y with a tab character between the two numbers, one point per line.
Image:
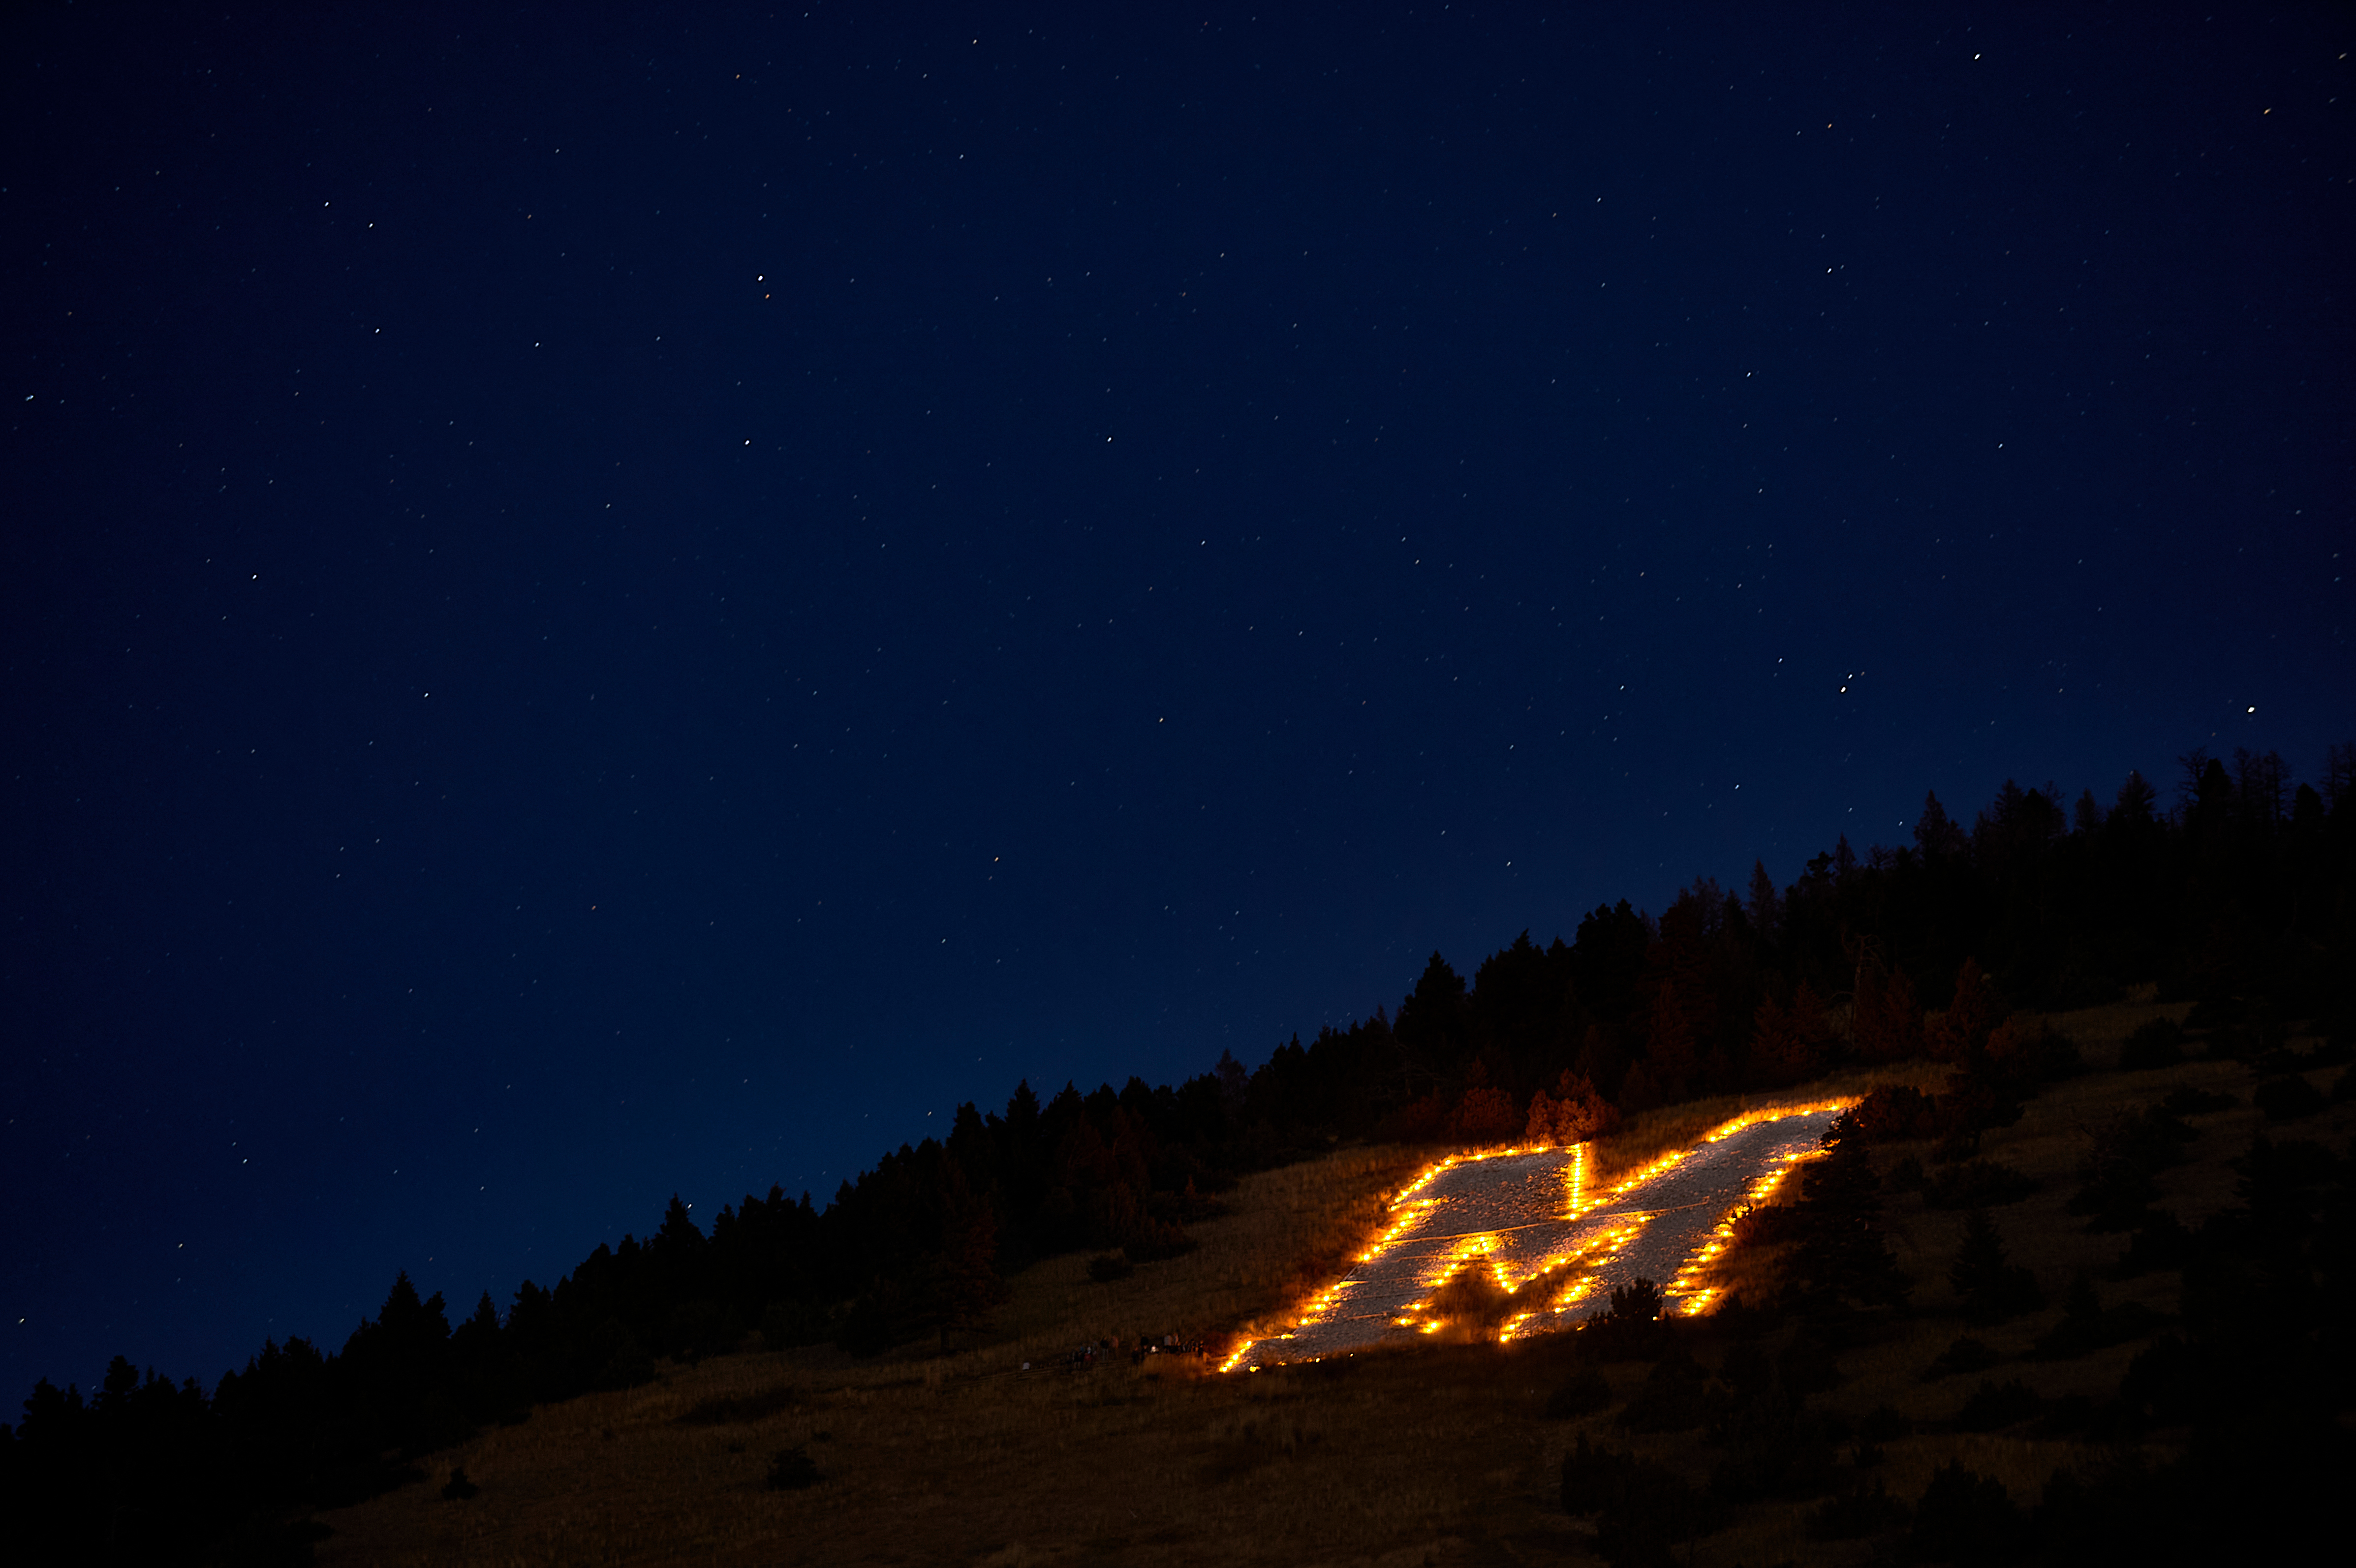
1436	1452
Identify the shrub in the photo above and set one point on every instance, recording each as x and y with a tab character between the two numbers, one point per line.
2118	1512
1591	1475
2184	1099
2086	1325
1964	1356
1582	1395
2117	1187
1855	1514
1651	1508
1756	1227
458	1488
1994	1406
1776	1449
1672	1398
2288	1099
1638	1301
1633	1329
1992	1288
1806	1367
1966	1518
2160	1242
2118	1196
2215	1012
2070	1413
2024	1060
792	1470
1893	1113
1110	1266
2159	1043
1882	1424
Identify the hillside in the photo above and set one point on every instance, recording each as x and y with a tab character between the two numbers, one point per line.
1444	1453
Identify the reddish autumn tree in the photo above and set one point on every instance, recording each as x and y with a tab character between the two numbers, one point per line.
1486	1114
1960	1033
1886	1021
1574	1112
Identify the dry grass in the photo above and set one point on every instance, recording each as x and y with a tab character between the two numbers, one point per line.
1429	1454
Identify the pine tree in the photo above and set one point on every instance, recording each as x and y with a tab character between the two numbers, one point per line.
1669	1046
1992	1287
1934	833
1766	907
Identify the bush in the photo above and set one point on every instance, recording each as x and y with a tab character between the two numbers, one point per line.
1672	1398
458	1488
1592	1476
2288	1099
1882	1424
2118	1187
1856	1514
2160	1242
1638	1301
1964	1356
1981	1184
1633	1330
2159	1043
1756	1227
1776	1449
1992	1289
1582	1395
2184	1099
792	1470
1110	1266
2070	1413
2086	1325
2117	1196
1806	1366
1650	1509
2215	1012
1893	1113
2119	1512
1967	1518
1995	1406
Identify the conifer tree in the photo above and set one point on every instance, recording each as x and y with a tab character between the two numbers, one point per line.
1669	1046
1992	1287
1935	834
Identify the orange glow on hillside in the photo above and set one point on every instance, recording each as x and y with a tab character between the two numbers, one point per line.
1568	1278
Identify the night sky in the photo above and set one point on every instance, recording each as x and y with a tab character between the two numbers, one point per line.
596	608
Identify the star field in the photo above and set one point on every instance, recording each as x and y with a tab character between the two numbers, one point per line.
649	606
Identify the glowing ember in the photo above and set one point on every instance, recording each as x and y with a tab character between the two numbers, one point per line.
1524	1218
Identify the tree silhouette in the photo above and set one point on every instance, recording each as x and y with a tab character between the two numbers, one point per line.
1934	835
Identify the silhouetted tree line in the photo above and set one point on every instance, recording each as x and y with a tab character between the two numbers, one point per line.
2241	890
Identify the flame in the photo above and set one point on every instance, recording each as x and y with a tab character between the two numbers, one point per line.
1584	1263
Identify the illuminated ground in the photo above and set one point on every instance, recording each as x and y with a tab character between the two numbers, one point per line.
1556	1248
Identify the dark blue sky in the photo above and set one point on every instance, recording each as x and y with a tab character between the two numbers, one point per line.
597	607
